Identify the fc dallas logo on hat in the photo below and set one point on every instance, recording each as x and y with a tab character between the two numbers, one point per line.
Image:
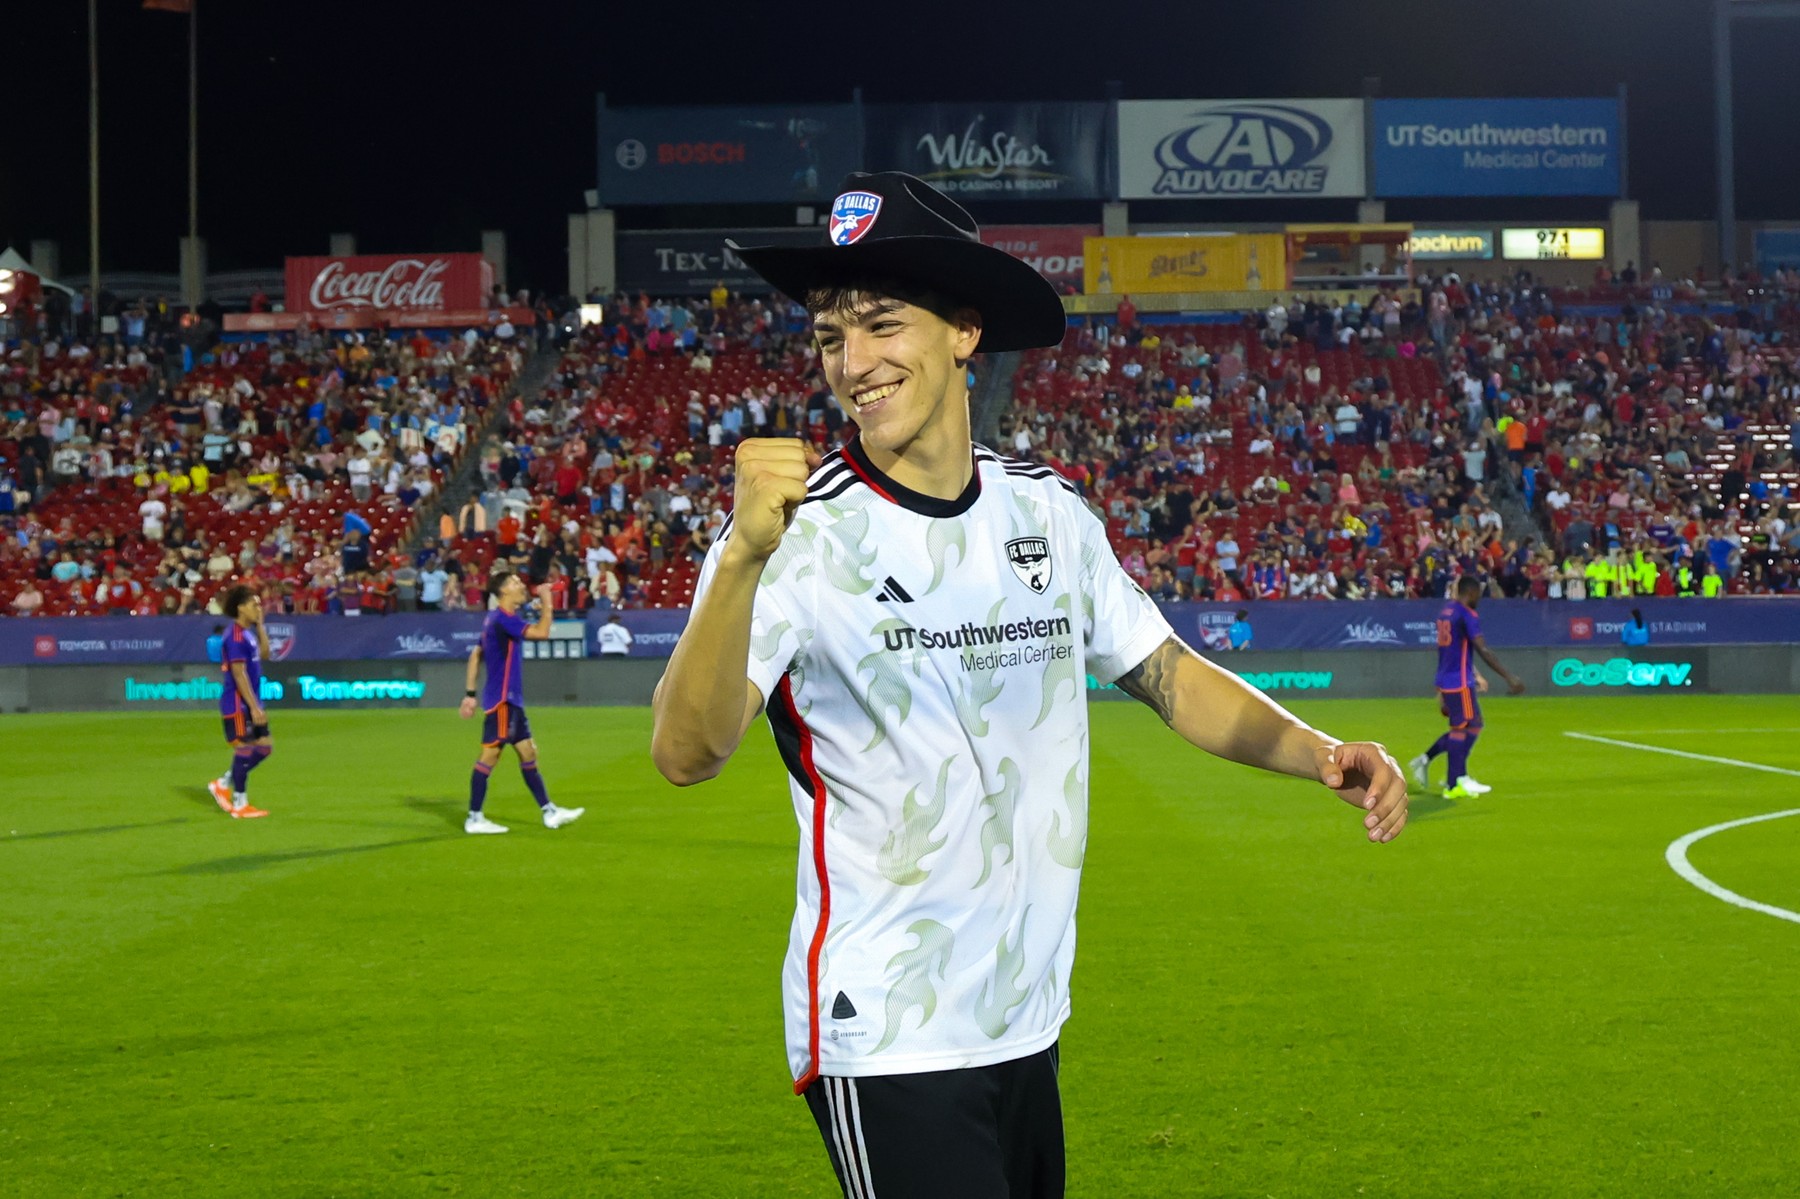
852	215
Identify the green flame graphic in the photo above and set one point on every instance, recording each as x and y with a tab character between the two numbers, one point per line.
997	829
907	845
917	966
1001	993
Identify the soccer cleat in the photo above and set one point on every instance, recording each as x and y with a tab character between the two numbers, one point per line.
221	793
1459	792
479	823
246	812
1421	770
1473	787
555	817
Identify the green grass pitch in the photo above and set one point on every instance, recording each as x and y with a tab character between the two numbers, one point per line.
1517	997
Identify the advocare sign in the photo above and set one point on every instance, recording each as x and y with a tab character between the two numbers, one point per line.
403	283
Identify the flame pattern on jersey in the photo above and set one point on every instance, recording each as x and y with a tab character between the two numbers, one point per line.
1002	992
914	988
886	691
903	853
1063	670
842	555
940	539
979	688
997	829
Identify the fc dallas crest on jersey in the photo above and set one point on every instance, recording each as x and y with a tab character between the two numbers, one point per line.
1030	558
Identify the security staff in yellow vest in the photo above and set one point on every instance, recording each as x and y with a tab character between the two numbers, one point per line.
1711	585
1644	567
1686	582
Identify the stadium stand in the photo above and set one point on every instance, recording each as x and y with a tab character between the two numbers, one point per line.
1555	444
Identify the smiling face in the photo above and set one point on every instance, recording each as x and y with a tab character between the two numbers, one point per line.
897	368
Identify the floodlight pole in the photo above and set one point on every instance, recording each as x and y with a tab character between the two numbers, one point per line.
93	164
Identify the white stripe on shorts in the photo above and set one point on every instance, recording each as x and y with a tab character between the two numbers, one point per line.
846	1132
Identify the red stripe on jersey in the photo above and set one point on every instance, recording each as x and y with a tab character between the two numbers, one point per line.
866	478
817	784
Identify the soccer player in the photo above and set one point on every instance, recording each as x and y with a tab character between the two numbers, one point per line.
502	644
916	615
1458	684
241	652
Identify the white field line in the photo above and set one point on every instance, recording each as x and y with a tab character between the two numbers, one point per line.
1653	732
1676	854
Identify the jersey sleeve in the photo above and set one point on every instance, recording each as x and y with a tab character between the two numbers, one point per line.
235	649
778	634
1123	624
1471	624
511	623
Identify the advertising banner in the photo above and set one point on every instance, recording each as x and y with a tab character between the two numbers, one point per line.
405	284
1054	251
127	640
727	154
1777	248
1045	151
688	262
1497	147
1428	244
1226	262
654	631
363	318
1238	149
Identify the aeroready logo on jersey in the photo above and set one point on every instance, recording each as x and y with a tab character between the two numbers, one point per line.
1030	558
1369	632
1240	148
281	640
853	215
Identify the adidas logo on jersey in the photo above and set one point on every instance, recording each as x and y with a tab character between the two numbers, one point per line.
893	593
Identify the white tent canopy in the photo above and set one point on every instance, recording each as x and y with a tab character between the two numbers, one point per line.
12	260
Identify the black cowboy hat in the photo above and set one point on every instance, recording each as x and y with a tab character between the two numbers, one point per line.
892	225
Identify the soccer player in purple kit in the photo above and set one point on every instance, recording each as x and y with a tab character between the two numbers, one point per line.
503	640
1458	683
241	653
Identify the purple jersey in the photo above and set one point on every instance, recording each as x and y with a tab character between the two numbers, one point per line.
1457	628
239	645
503	648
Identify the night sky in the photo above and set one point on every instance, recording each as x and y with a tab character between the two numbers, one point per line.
415	125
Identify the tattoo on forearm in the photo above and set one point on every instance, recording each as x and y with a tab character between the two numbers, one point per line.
1152	681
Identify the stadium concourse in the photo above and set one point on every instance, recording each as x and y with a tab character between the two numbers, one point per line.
1555	444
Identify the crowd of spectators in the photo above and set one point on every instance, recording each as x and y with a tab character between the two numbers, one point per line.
298	461
1620	441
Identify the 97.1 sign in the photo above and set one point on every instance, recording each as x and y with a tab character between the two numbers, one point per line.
1587	244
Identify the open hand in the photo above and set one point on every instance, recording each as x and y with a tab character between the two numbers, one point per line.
467	707
1366	776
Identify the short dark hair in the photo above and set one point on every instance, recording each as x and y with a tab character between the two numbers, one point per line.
235	597
1468	585
497	580
1242	614
843	297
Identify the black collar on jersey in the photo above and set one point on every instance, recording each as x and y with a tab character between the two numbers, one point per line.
898	493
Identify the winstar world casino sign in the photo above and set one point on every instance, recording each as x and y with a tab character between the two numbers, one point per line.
402	283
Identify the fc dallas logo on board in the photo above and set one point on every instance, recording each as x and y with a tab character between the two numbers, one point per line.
852	215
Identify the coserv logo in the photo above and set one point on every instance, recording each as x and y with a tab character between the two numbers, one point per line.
1621	672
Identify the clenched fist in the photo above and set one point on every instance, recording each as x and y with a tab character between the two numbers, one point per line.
771	482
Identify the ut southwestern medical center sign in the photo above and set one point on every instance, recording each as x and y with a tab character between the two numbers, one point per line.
1496	147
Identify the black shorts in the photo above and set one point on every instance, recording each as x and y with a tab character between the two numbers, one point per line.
950	1134
240	731
505	725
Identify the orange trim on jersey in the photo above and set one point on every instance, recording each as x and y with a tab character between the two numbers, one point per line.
502	710
237	720
786	692
1468	707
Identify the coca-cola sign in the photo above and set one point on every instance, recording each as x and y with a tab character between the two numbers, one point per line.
398	283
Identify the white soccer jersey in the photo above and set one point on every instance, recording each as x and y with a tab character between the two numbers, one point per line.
923	665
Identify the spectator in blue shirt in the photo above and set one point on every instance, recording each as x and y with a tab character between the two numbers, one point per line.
1240	630
1635	632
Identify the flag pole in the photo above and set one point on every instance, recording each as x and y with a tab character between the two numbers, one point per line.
193	120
